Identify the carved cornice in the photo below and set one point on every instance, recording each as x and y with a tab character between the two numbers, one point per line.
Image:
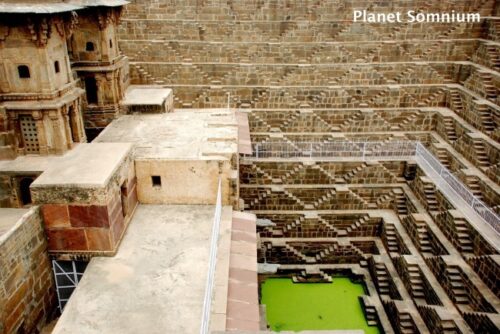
40	30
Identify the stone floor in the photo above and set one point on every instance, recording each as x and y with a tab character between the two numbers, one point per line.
156	281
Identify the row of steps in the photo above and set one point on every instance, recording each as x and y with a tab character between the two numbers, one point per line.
463	236
486	118
416	283
400	202
430	196
481	153
460	295
449	128
391	238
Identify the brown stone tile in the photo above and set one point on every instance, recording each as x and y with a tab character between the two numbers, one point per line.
55	215
117	227
88	216
243	325
243	275
243	292
244	225
242	310
244	236
98	239
67	239
243	262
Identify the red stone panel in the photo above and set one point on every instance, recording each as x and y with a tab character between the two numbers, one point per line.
67	240
98	239
55	215
117	227
88	216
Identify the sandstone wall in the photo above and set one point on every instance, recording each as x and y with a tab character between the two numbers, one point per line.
27	293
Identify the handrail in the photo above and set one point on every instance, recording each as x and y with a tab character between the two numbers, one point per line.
207	301
373	150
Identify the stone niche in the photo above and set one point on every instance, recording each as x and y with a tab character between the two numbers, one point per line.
87	199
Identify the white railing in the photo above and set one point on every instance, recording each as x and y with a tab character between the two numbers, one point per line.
392	150
365	150
459	188
214	240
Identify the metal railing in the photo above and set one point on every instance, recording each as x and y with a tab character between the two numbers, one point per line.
214	240
393	150
339	149
459	188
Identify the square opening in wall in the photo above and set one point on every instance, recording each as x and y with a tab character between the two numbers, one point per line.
156	180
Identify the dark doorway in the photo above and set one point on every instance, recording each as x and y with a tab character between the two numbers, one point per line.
124	197
24	187
72	124
91	89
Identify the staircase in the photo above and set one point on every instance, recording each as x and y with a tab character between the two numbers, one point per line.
299	254
494	56
391	238
353	172
456	102
473	184
449	128
260	197
295	224
430	196
415	280
442	155
382	279
400	202
325	198
486	118
361	221
489	90
463	236
456	285
481	154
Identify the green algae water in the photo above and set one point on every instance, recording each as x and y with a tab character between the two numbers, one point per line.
314	306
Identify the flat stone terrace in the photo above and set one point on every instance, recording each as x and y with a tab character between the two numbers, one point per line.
183	134
156	281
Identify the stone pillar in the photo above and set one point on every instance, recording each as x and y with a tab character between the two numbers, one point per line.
58	134
99	81
78	119
41	132
67	126
12	121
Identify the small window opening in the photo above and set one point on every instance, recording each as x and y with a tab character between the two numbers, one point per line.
89	46
110	44
156	179
56	66
24	71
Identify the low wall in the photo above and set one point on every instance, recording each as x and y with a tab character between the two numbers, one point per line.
27	294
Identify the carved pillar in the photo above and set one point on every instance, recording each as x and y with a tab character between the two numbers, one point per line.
58	134
41	132
67	127
13	125
78	119
99	81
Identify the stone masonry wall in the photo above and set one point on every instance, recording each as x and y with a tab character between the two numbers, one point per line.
27	295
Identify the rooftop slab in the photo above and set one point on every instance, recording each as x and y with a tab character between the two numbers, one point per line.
181	135
9	218
146	95
54	6
156	281
88	165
